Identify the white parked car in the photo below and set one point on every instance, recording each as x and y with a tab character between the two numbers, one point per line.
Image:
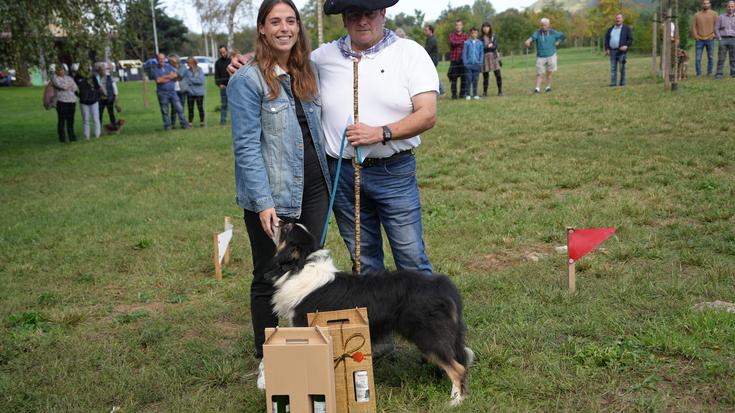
204	62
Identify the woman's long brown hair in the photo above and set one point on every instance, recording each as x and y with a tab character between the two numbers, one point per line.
299	66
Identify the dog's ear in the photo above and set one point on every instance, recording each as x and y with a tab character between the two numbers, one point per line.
287	259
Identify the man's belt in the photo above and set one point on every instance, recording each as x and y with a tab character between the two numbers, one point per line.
369	162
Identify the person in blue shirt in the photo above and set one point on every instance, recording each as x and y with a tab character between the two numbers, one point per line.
618	40
194	77
472	58
546	40
165	77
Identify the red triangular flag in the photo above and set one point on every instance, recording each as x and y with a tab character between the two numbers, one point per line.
582	241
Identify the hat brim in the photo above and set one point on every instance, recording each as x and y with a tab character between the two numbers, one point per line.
341	6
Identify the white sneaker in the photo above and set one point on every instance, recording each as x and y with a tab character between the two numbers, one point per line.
476	97
467	97
261	376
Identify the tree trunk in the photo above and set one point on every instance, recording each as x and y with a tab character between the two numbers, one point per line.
22	75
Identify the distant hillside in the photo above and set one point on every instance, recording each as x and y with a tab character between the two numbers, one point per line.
577	5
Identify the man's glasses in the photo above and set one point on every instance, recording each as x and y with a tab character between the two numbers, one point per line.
359	15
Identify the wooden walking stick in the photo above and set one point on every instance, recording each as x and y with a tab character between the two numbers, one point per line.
356	166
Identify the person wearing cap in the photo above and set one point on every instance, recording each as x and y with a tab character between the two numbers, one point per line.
397	89
398	86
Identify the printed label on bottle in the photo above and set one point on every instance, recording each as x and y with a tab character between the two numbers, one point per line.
362	386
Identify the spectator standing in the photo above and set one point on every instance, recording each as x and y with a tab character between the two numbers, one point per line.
194	78
618	40
221	77
181	87
280	165
165	77
108	95
66	103
725	34
546	40
432	49
703	32
89	97
456	68
472	58
491	61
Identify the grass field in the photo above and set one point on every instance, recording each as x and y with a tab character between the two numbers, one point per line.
107	295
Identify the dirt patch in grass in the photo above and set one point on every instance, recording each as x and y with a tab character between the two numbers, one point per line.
151	307
229	330
505	259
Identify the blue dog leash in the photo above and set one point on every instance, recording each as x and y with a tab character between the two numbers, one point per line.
335	184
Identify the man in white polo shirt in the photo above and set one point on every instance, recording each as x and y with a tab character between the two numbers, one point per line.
397	101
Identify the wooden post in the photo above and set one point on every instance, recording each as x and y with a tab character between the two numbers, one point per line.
654	47
217	266
666	51
356	166
675	47
319	23
571	270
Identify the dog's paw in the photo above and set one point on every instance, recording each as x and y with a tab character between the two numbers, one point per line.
261	376
470	356
456	399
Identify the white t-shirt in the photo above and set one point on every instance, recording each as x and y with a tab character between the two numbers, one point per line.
387	82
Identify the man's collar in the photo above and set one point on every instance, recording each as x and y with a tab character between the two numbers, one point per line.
345	46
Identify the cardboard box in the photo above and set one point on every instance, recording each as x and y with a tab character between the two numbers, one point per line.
350	331
299	364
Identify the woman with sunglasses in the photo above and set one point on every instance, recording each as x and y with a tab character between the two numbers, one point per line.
280	164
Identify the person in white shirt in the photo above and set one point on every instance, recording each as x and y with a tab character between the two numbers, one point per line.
397	93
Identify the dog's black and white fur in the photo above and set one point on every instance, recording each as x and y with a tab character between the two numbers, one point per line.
427	310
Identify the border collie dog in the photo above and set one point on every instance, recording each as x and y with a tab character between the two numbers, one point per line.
426	310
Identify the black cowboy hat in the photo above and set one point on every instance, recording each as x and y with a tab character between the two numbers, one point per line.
341	6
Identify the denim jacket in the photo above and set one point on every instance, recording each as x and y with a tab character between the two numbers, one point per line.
268	145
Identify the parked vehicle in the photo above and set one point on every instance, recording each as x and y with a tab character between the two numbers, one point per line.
204	62
7	77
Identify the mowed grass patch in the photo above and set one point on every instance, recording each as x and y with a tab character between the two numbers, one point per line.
108	296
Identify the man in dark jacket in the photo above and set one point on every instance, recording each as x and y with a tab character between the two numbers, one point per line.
221	77
432	49
618	40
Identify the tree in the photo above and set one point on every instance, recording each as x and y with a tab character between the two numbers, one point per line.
49	29
412	25
483	9
211	16
513	28
235	9
136	30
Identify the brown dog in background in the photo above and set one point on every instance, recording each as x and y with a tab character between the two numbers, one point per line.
683	57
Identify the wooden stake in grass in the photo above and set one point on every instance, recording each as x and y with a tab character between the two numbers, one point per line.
579	243
571	269
222	248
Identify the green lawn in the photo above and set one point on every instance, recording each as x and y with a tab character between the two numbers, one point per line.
107	296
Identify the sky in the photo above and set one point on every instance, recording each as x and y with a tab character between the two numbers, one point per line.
432	8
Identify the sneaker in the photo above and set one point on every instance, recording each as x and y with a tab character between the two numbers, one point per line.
536	90
718	77
548	89
467	97
500	93
261	376
476	97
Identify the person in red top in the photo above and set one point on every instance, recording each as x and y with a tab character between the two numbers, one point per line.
456	67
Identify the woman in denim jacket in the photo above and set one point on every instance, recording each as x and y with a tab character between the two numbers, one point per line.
280	163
